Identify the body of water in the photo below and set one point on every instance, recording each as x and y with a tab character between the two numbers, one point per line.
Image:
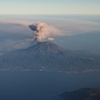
43	85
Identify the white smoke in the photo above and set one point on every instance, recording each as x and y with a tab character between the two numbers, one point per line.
42	31
50	39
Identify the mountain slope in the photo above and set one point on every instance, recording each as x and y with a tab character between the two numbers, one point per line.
47	56
82	94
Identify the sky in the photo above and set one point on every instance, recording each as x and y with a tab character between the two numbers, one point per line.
49	6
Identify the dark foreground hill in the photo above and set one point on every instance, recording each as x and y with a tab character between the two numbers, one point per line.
82	94
47	56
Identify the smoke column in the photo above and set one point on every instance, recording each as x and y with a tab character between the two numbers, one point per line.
42	31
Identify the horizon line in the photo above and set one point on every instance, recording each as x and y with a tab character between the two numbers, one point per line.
49	14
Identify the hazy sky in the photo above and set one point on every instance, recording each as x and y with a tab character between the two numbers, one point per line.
49	6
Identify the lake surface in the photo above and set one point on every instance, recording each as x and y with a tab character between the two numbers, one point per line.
43	85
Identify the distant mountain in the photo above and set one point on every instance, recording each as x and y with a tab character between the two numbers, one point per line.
47	56
82	94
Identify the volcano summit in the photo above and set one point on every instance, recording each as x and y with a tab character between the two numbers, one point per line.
47	56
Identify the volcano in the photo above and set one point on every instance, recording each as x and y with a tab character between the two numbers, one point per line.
47	56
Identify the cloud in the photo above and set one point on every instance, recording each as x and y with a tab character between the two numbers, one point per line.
63	27
15	34
43	31
15	21
74	27
50	39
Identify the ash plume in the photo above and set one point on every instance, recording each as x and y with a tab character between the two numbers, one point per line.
42	31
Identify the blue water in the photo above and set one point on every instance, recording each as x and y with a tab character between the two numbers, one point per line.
43	85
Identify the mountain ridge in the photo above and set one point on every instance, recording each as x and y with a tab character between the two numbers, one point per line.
82	94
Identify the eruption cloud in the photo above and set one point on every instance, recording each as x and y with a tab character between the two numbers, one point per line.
42	31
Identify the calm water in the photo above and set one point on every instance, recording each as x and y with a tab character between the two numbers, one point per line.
43	85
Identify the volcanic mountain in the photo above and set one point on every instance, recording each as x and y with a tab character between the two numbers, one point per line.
47	56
